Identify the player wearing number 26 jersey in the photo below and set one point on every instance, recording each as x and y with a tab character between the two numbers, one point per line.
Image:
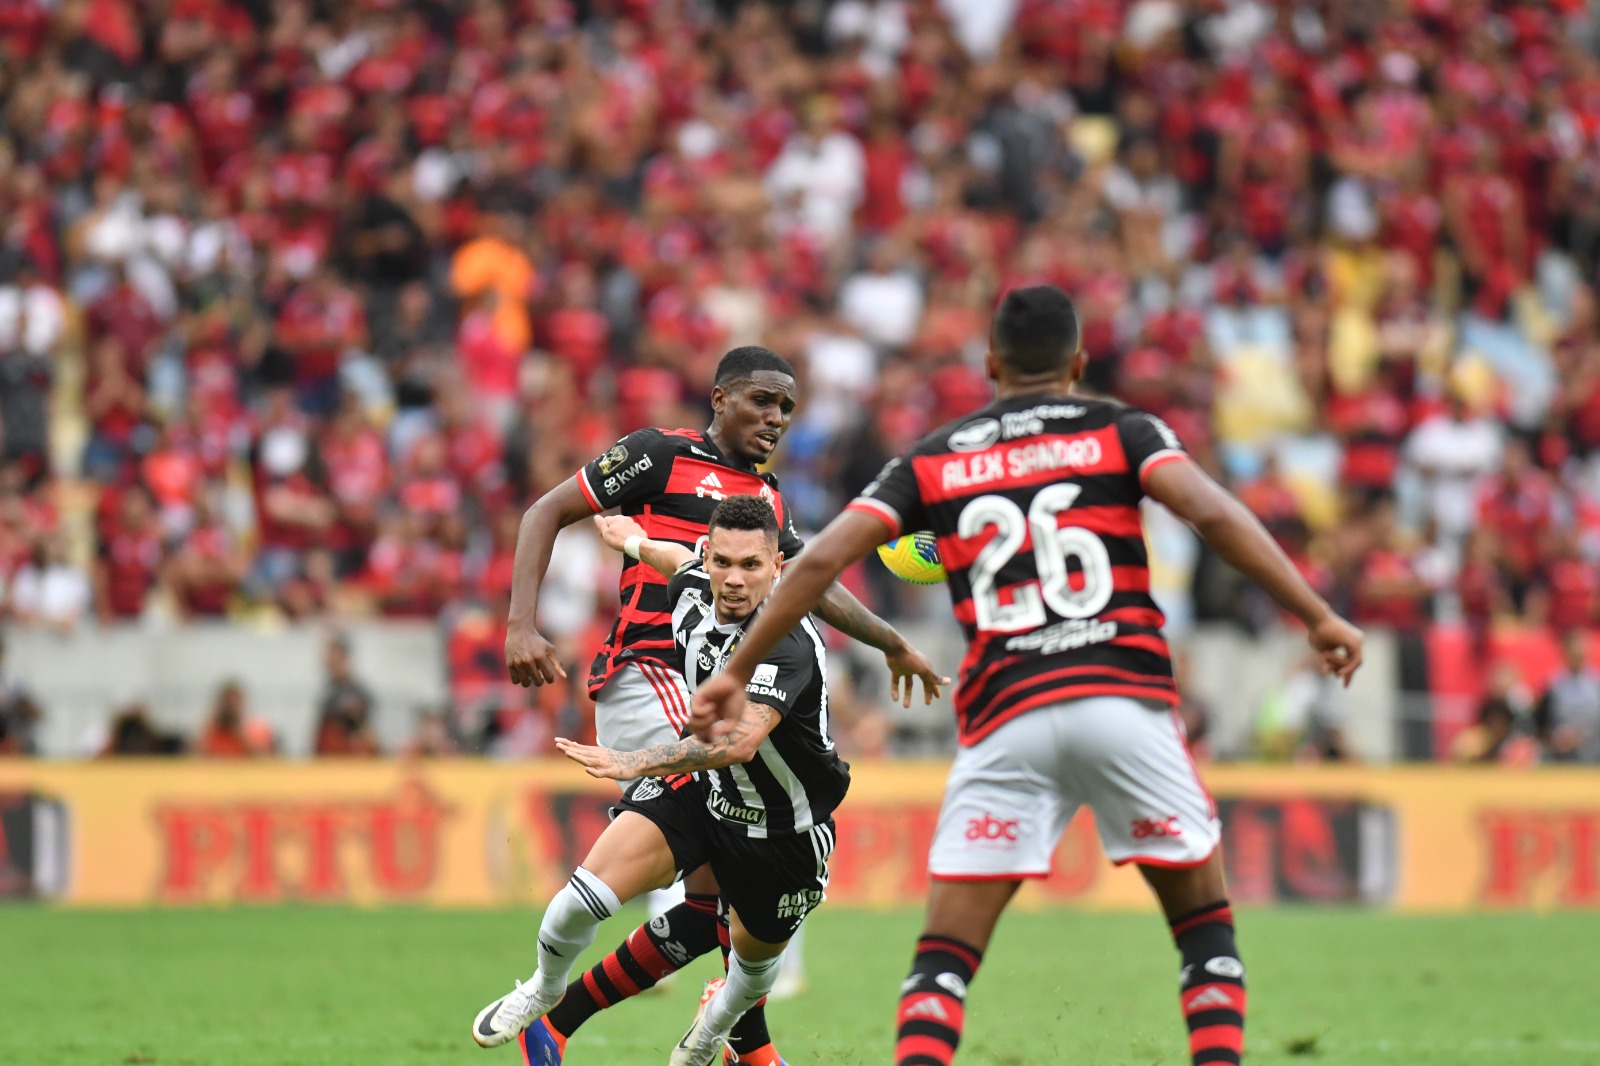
1036	507
1066	694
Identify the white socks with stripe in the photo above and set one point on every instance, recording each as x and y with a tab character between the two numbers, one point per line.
748	982
569	926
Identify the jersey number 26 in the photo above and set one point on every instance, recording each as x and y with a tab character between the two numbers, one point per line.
1051	548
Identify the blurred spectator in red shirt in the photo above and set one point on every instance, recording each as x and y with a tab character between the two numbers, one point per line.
231	733
1480	583
293	511
130	558
1269	496
1518	507
320	322
122	315
172	471
358	479
115	406
208	563
409	573
1485	218
1568	591
1390	590
575	332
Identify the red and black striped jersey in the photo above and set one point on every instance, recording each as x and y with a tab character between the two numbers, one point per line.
669	481
1035	504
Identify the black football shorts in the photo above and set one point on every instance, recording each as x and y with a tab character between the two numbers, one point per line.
772	883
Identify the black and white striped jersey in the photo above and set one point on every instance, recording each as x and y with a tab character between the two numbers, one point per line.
797	778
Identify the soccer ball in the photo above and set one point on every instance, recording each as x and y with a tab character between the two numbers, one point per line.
914	558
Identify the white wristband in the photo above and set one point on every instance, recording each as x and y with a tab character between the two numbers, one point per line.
630	547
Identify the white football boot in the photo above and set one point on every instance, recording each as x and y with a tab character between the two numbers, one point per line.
700	1046
502	1020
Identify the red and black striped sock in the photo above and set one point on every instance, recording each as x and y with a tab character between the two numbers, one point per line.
933	1002
659	947
1211	985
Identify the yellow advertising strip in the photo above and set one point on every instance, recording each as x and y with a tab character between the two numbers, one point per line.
466	833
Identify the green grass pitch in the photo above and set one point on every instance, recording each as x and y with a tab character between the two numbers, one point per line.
313	987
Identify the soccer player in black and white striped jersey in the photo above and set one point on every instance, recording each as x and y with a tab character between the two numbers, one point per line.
756	803
669	481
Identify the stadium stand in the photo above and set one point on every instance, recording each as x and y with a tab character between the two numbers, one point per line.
300	304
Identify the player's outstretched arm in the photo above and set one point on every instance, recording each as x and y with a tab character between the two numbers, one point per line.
840	609
719	701
530	658
685	756
662	556
1242	541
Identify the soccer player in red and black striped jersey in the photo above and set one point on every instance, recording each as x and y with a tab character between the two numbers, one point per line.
1066	694
670	481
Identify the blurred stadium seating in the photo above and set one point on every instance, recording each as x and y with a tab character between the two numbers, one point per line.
300	305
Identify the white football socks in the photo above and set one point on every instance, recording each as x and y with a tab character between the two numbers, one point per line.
569	926
747	983
792	973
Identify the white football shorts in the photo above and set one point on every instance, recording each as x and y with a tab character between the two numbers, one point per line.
1010	796
641	705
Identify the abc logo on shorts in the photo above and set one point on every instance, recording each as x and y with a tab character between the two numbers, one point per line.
991	828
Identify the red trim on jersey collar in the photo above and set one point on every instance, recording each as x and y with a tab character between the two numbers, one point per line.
711	442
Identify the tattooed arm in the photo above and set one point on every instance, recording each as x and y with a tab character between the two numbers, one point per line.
680	757
841	610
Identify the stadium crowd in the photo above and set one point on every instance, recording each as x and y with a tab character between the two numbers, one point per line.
301	304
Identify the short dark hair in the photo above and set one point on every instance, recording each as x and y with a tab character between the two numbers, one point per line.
1036	330
746	513
741	363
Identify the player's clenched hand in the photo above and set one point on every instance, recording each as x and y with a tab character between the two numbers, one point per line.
530	659
1339	644
907	663
616	529
599	762
717	704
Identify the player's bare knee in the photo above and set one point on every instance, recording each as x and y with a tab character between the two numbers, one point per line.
1183	890
967	910
631	857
